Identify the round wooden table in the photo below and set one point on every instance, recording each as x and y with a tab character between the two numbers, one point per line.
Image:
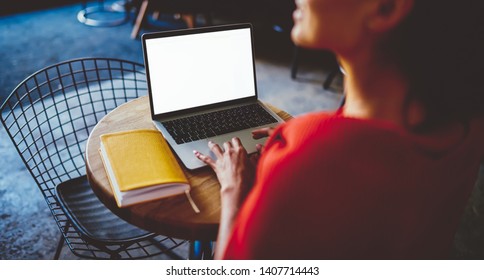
172	216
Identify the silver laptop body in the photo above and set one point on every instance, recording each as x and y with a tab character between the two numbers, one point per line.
195	72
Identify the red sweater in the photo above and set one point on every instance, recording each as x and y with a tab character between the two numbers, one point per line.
332	187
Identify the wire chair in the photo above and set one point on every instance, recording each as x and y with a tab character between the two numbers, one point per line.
49	117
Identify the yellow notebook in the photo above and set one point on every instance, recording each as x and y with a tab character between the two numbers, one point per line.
141	167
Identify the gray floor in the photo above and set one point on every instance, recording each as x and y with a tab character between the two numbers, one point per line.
34	40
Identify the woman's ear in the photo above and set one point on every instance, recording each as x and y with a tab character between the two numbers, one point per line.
386	14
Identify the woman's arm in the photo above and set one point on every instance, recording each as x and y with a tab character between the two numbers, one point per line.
235	172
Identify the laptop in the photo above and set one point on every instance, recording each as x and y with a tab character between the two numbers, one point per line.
202	87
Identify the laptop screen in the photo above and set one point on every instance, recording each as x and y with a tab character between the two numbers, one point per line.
197	69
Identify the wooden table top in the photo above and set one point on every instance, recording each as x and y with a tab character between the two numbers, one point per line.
172	216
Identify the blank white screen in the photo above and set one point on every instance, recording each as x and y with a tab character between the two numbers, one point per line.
193	70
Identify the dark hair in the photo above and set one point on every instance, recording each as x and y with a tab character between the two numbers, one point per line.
440	49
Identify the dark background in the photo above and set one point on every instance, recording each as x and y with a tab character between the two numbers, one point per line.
17	6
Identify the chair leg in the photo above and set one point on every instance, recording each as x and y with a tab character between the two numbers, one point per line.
343	101
195	251
330	78
167	252
189	19
207	250
60	245
200	250
139	19
156	15
61	242
295	61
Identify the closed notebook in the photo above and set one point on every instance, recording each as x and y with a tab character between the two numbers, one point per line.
141	167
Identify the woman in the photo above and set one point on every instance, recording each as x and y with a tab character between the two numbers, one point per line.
386	176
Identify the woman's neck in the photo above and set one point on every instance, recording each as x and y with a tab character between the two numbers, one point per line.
377	91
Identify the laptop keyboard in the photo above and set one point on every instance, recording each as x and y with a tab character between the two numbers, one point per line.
211	124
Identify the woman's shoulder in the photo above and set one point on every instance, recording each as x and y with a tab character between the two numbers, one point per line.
330	129
334	137
319	139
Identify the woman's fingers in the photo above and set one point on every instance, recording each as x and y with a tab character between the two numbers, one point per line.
206	159
254	159
259	148
237	144
262	132
215	149
227	146
233	145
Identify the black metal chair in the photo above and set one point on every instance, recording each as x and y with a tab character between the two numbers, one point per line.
49	117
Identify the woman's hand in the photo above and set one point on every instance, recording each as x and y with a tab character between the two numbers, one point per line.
261	133
234	169
235	172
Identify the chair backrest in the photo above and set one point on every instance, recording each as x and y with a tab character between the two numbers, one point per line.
50	114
